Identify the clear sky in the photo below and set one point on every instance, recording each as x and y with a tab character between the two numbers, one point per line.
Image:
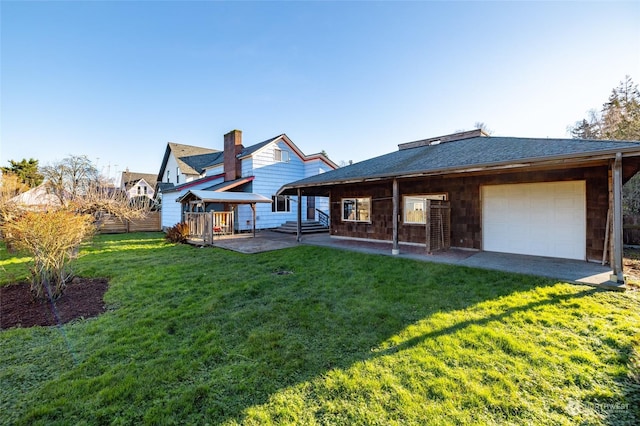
117	80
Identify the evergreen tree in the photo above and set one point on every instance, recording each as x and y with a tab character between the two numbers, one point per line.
619	119
26	170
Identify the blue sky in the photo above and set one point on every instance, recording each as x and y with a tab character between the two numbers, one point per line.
117	80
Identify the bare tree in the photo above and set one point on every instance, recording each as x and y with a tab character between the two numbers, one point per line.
52	237
71	178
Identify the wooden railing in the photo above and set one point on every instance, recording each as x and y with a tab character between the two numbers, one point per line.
323	218
205	226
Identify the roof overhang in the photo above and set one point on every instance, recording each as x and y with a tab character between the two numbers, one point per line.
560	161
223	197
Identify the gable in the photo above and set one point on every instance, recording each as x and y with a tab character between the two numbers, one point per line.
190	159
283	142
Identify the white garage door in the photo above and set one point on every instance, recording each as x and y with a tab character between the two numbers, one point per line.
541	219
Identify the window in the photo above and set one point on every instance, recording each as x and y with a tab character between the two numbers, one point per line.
280	203
356	209
168	176
177	175
415	206
144	188
280	155
139	190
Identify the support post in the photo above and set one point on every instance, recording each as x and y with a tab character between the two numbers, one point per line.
617	220
253	210
395	250
299	224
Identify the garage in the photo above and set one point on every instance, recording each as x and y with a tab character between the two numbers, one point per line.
540	219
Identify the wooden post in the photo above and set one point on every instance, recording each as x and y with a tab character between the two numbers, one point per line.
617	220
253	210
427	223
299	225
396	247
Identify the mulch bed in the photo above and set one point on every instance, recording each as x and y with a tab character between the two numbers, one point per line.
82	298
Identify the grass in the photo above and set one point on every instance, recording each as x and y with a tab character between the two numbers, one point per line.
207	336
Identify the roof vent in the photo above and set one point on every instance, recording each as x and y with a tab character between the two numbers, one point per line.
443	139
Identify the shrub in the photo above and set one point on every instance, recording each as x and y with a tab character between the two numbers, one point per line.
52	238
178	233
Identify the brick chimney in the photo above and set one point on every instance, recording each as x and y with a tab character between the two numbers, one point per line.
232	147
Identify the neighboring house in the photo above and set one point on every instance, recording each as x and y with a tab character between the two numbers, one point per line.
38	198
259	169
138	184
544	197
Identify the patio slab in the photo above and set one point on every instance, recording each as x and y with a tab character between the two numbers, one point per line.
574	271
567	270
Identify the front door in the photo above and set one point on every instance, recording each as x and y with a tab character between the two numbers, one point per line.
311	208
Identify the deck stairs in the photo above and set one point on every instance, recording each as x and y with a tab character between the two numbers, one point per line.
308	227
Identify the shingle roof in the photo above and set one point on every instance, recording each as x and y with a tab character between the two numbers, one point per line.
192	159
245	152
466	154
253	148
131	178
224	197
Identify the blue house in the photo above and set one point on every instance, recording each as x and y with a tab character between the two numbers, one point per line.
239	179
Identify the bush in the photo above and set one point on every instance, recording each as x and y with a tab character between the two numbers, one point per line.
178	233
52	238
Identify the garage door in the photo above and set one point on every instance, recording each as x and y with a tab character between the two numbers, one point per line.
541	219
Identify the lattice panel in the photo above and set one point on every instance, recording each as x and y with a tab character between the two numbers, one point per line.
438	225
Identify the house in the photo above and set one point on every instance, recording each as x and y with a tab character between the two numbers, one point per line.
138	184
545	197
201	179
37	198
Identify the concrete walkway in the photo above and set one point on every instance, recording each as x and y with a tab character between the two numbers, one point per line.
574	271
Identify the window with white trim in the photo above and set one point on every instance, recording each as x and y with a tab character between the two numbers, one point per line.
280	203
356	209
281	155
415	206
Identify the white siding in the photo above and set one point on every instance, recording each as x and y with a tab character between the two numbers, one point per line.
215	170
172	168
133	191
171	212
315	167
270	175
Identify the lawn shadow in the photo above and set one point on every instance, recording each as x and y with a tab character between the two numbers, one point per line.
292	328
218	332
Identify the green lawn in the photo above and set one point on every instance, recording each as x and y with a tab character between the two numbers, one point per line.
204	335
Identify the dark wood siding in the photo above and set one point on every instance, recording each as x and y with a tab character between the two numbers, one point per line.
466	215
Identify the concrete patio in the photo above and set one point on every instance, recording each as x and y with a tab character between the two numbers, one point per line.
568	270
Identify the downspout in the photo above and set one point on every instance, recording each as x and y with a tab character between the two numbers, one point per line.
396	247
616	265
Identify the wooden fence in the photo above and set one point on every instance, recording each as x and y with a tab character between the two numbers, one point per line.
112	225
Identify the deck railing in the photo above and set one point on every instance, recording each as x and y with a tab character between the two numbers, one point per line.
323	218
205	226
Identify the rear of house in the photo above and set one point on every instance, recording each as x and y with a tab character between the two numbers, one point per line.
259	169
544	197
